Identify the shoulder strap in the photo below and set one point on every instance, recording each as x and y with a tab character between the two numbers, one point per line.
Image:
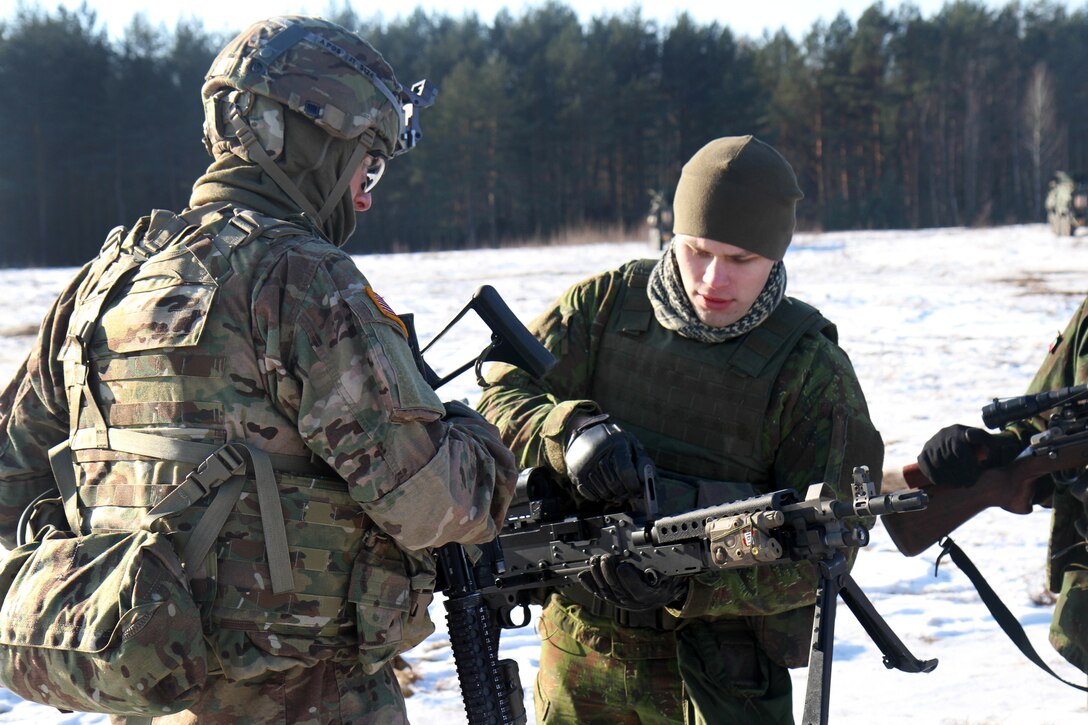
998	610
769	342
636	310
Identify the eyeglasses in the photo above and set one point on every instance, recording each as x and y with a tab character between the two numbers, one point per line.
374	173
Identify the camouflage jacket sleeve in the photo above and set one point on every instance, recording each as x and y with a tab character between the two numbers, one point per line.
34	418
819	427
338	361
1066	362
534	416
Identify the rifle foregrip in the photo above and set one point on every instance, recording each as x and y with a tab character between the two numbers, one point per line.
491	688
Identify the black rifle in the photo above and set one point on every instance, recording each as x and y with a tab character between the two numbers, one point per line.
543	547
491	688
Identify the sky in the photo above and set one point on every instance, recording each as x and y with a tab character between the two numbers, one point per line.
744	17
937	322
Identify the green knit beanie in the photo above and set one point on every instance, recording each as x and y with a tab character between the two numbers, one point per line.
740	191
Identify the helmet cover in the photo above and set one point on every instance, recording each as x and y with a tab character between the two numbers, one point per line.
316	68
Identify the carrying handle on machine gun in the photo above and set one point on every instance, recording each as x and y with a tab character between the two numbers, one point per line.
510	341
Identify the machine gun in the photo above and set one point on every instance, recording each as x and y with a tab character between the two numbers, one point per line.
542	547
1059	453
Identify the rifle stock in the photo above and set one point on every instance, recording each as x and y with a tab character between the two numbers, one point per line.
1010	487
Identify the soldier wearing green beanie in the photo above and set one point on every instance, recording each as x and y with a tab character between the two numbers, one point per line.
740	191
699	360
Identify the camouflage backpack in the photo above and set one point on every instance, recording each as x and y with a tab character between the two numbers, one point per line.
106	621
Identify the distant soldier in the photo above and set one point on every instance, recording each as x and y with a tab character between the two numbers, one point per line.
732	389
659	220
1067	203
241	321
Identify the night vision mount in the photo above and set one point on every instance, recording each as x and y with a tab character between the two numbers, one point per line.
420	95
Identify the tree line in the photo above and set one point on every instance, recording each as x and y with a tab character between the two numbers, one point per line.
544	123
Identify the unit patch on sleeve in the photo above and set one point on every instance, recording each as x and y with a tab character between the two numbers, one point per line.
385	309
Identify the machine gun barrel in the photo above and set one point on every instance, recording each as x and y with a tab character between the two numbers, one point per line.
693	523
898	502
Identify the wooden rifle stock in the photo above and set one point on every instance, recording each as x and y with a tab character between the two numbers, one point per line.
1010	486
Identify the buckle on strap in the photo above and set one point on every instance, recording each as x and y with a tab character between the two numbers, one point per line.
220	466
216	468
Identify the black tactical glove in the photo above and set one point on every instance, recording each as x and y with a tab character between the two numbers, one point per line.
603	461
623	584
957	455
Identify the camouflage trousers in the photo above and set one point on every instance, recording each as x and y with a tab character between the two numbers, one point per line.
1069	627
328	693
593	671
729	679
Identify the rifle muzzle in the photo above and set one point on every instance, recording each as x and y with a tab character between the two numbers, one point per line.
892	503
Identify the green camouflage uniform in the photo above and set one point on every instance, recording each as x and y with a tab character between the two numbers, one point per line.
736	631
1067	563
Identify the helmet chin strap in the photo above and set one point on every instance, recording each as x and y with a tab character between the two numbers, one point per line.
342	183
245	134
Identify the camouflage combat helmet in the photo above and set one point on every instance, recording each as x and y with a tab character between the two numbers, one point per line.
320	70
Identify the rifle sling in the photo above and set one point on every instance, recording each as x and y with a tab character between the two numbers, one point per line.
998	610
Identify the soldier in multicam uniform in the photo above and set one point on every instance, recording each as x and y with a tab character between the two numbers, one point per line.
732	389
958	454
241	320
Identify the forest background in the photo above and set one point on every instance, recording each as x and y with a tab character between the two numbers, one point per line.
545	125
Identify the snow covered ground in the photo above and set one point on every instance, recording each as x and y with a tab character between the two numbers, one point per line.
937	322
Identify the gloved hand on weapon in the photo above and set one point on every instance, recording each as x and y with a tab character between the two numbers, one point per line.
957	455
623	584
603	461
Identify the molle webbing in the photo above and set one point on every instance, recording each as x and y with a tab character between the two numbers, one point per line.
121	258
698	408
262	571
